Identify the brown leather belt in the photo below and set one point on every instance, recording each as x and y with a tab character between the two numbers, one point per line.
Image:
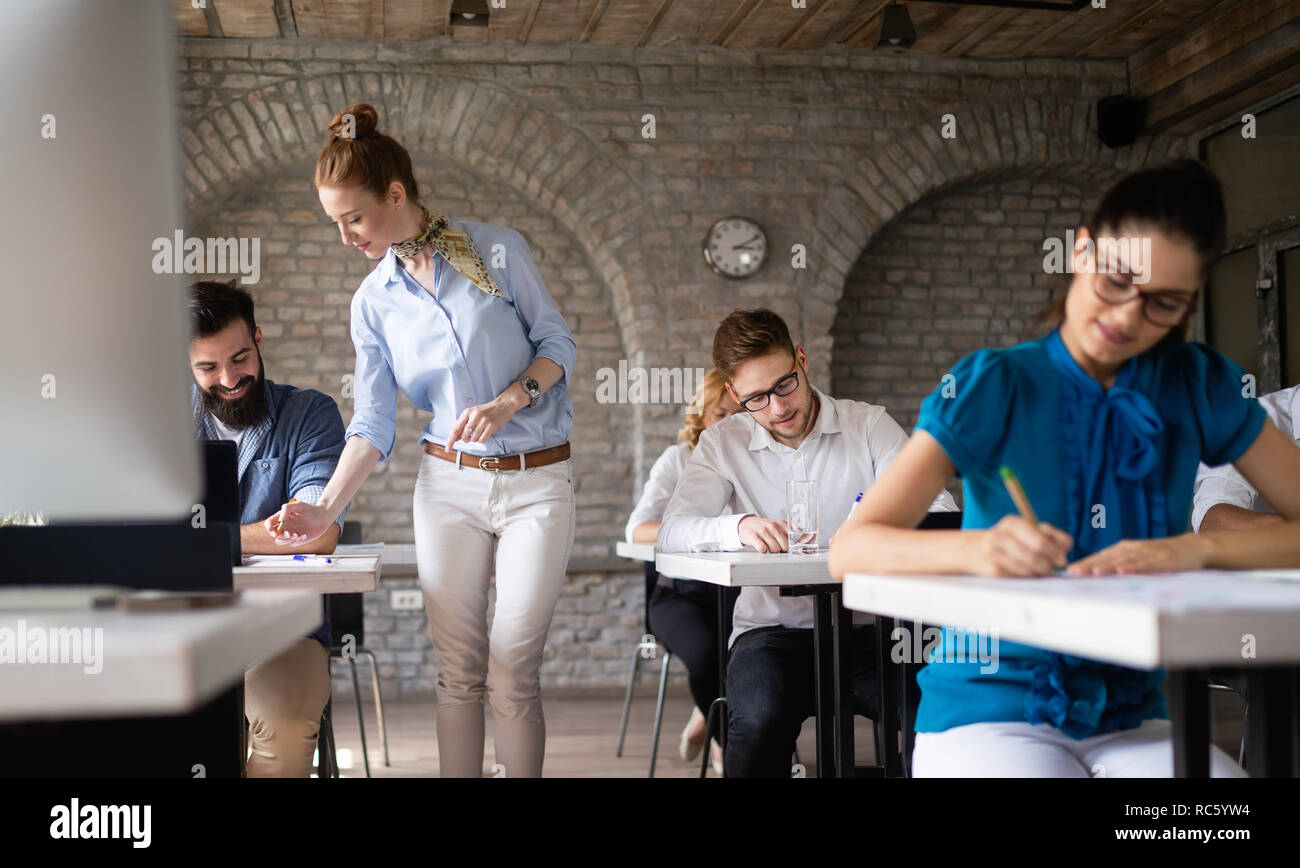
540	458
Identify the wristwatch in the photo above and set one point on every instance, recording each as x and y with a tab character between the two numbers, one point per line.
530	386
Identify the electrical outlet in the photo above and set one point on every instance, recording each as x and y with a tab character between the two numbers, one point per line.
405	601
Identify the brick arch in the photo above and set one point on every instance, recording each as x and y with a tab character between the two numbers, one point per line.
994	139
484	126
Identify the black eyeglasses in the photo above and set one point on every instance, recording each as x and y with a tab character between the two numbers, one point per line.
1164	309
784	386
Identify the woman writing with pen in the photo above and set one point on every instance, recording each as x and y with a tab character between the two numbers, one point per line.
1104	421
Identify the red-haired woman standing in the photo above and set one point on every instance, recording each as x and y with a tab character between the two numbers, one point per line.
456	315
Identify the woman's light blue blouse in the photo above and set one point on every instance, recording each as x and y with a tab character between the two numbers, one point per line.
1101	465
462	348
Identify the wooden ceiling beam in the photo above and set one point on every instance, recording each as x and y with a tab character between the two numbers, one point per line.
853	21
1048	33
653	24
979	34
1120	28
792	34
738	16
593	20
1217	82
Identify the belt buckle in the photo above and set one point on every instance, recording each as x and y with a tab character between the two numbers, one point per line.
483	464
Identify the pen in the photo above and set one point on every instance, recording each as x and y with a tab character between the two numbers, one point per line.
280	524
315	559
1012	482
856	501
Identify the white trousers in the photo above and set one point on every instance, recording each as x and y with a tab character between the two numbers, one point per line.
470	523
1025	750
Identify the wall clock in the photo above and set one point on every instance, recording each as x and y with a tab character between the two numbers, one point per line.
735	247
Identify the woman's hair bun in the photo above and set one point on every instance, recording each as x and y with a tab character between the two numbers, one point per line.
354	122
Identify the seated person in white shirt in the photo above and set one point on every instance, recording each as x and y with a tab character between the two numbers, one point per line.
1223	499
730	495
684	614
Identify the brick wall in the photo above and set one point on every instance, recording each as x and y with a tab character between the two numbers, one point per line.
825	150
962	269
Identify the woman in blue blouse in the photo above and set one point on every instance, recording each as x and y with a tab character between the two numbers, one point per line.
1105	420
456	316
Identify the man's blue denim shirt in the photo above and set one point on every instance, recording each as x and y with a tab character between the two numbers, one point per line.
290	453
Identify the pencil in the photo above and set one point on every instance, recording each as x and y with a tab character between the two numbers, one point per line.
279	525
1012	482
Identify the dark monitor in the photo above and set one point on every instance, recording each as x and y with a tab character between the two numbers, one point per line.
221	490
194	552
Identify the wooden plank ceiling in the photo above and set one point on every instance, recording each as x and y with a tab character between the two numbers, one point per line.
1187	58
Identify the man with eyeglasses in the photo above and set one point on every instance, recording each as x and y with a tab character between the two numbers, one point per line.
728	496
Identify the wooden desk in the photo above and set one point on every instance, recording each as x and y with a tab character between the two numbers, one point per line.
167	699
1185	622
347	575
153	662
832	637
644	552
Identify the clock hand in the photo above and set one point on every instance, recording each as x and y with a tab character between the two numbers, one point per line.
745	246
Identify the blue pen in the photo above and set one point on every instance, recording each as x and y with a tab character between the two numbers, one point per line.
313	559
856	501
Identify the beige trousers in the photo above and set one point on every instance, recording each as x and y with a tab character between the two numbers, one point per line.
470	523
283	701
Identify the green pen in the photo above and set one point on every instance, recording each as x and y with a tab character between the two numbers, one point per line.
1017	492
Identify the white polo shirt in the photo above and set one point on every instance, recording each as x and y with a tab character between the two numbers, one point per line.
738	469
1215	485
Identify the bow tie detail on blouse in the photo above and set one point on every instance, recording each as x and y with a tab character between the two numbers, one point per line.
1112	455
1130	424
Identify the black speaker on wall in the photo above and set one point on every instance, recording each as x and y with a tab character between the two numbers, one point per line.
1120	120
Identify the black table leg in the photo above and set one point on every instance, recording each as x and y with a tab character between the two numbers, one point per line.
842	666
887	676
722	677
824	684
1271	724
1189	712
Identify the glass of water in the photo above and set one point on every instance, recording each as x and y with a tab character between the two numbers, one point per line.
801	513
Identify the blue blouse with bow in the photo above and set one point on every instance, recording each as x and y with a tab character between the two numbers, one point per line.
1100	464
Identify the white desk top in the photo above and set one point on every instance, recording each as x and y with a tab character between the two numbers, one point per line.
345	575
1186	619
737	569
636	551
390	554
149	662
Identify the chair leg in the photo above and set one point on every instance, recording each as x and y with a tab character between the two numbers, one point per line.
379	701
717	707
627	700
1245	722
361	721
326	761
659	709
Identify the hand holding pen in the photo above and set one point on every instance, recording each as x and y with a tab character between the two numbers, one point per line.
1020	545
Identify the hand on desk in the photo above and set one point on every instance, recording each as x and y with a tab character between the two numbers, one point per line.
1167	555
764	534
303	522
1016	547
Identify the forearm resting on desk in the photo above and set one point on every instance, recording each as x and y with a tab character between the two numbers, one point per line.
1275	546
878	548
1225	516
646	532
254	540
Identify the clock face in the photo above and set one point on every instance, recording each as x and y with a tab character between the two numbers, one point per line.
735	247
